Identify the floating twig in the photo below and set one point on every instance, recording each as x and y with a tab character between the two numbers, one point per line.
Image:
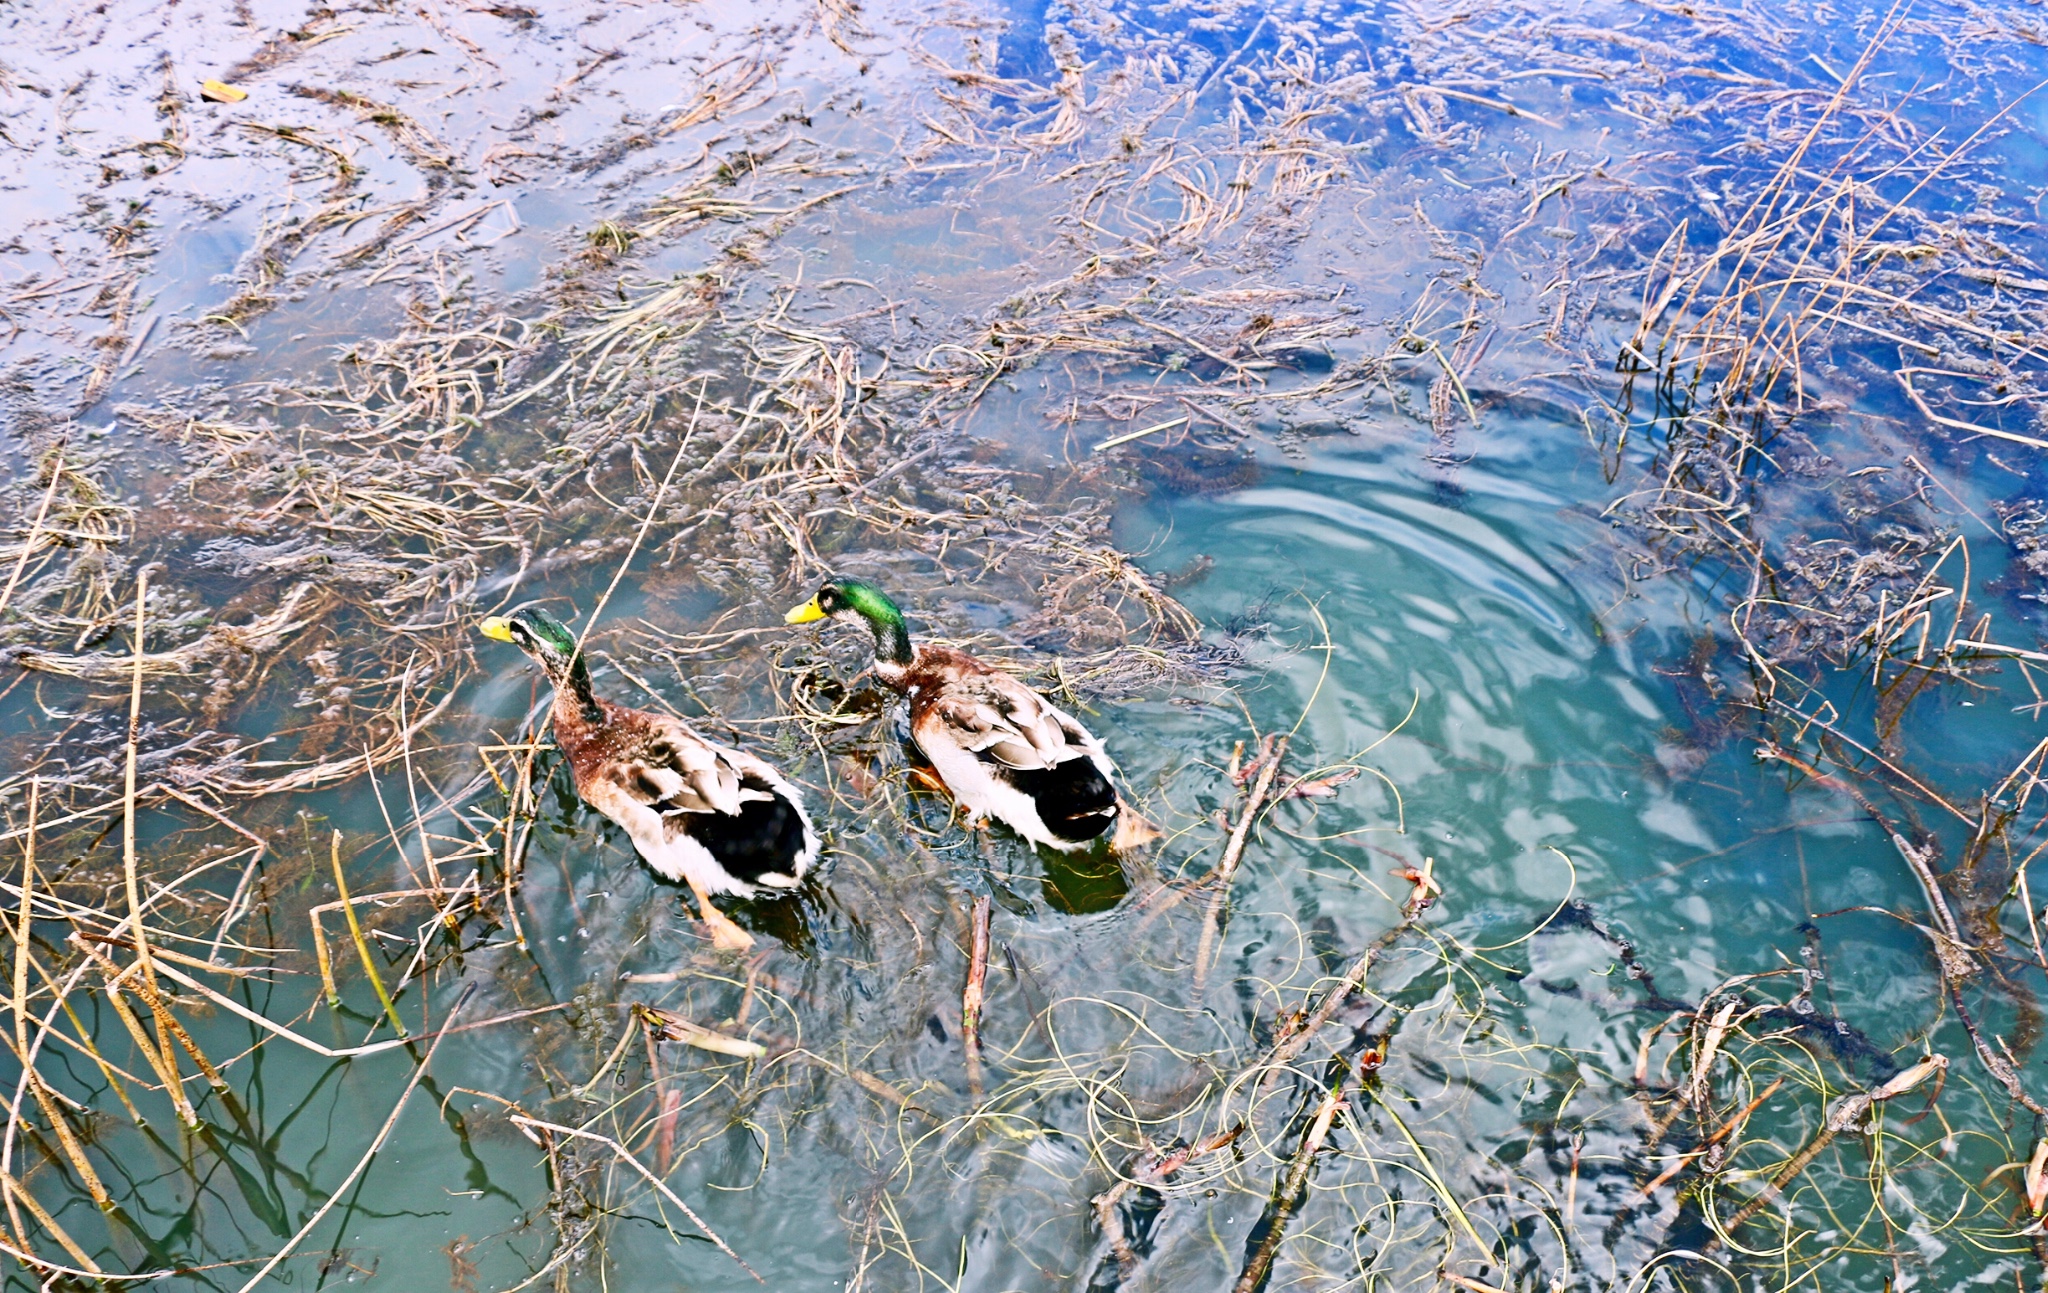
1272	1227
1272	750
1129	436
971	995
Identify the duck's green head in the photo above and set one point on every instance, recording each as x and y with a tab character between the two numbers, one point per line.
847	597
541	636
842	597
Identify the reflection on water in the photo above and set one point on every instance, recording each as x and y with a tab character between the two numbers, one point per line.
1530	734
1341	281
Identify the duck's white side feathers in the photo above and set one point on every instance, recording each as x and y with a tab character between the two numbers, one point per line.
682	798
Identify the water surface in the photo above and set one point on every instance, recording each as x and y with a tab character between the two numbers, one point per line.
1364	271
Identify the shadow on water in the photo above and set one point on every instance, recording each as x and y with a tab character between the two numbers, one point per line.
1084	883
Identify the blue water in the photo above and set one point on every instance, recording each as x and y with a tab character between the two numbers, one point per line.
1480	665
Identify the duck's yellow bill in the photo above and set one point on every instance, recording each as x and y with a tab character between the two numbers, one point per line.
808	613
496	627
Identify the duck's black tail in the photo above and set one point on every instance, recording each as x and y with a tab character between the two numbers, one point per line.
765	838
1074	800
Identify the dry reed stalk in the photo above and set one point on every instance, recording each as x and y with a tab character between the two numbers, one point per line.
168	1023
35	529
161	1059
419	820
1954	954
161	955
668	1106
2026	896
74	1151
530	1126
517	807
22	919
383	1133
24	1253
1427	1168
1726	1129
634	1026
1295	1038
1706	1045
668	1026
784	1048
128	859
276	1029
445	919
160	1054
355	932
27	1078
1844	1116
1150	1170
20	984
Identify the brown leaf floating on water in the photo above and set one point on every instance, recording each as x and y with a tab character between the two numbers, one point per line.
1321	787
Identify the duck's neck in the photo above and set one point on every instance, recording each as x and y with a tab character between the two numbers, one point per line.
893	653
573	694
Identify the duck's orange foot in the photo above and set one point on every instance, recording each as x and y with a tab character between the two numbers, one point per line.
726	936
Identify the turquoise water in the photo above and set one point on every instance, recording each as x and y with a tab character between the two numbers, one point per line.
1480	664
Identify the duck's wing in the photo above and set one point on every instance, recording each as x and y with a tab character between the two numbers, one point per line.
659	763
771	841
685	794
1000	720
1007	752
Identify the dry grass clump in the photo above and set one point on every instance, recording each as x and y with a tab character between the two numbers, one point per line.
333	546
1753	343
1755	346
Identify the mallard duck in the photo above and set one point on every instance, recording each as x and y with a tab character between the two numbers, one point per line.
1002	750
716	818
